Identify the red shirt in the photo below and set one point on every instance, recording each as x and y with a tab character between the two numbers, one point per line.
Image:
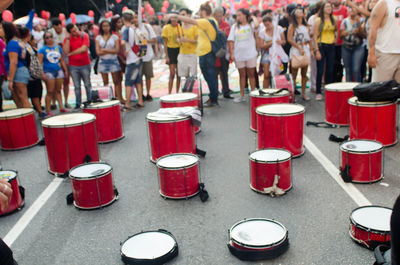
225	28
340	14
80	59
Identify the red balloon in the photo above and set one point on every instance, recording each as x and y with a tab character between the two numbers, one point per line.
61	16
43	13
90	13
72	16
48	14
159	17
164	9
151	12
7	15
236	6
255	2
166	4
124	8
147	6
265	5
142	10
118	1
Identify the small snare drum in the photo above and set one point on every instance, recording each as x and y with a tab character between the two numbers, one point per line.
178	175
149	247
362	160
18	195
370	226
18	129
92	185
102	92
336	106
270	171
258	239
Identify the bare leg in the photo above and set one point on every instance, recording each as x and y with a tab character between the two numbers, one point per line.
251	72
172	73
57	92
128	94
50	86
242	80
139	90
267	76
22	94
117	80
303	81
104	76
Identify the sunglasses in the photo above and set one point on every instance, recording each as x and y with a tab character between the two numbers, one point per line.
48	37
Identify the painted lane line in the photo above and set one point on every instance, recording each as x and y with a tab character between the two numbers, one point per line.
334	172
25	219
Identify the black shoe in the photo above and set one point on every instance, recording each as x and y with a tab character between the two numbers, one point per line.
144	98
296	92
210	103
149	98
53	107
228	96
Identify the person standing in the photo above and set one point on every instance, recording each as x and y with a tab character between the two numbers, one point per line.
3	72
313	64
284	22
340	12
76	48
116	27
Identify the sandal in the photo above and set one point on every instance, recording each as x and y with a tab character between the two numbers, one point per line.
305	98
138	106
126	109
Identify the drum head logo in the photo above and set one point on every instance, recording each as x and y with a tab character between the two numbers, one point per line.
351	146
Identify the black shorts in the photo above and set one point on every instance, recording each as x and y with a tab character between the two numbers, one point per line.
35	88
173	55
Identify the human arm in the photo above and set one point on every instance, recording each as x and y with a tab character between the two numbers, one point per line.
231	50
375	21
282	41
316	26
64	65
181	18
4	4
13	56
291	40
166	50
359	9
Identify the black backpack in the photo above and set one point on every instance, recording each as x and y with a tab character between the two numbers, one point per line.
377	91
219	44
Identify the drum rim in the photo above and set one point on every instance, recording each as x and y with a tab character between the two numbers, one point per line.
175	168
168	121
370	104
258	247
179	100
93	118
327	88
285	94
353	222
361	152
168	256
15	171
95	105
92	177
270	162
281	114
31	111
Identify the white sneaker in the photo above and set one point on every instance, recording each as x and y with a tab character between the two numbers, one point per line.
239	99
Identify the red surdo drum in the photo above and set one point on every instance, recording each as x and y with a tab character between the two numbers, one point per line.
92	185
103	92
362	160
108	120
180	100
170	135
179	175
18	129
370	226
284	81
17	200
336	106
281	126
270	96
373	121
70	138
258	239
270	171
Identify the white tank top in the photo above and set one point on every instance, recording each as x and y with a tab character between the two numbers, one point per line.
388	37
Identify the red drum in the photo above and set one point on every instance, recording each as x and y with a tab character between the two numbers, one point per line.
281	126
336	106
70	138
17	199
362	160
270	171
373	121
103	93
179	175
18	129
370	226
180	100
257	239
269	97
170	135
284	81
92	185
108	120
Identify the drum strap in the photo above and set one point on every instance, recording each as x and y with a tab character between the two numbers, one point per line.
321	124
345	173
336	139
203	193
200	152
274	190
261	92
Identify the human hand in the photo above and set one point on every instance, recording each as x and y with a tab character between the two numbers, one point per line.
372	61
5	194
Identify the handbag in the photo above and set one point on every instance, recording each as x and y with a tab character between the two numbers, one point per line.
300	61
6	91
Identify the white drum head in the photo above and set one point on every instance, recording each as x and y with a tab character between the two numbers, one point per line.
15	113
270	155
280	109
372	217
89	170
346	86
8	175
103	104
361	146
68	120
354	101
153	116
177	161
148	245
256	93
178	97
258	232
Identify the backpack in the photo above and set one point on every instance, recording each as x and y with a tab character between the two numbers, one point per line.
33	63
219	44
377	91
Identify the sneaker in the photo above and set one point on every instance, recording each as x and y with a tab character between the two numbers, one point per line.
228	96
53	107
239	99
318	97
64	110
143	97
210	103
305	98
296	92
149	98
50	114
67	106
43	114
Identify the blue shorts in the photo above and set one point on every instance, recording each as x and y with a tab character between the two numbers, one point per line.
133	73
54	75
108	66
265	58
22	75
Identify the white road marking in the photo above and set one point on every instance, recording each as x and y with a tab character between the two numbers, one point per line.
384	184
334	172
25	219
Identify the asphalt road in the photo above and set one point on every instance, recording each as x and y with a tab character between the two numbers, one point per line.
315	212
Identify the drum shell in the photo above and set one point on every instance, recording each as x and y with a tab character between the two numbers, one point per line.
364	167
92	193
262	174
337	107
170	137
369	237
108	123
374	122
286	132
256	101
16	201
68	146
281	81
18	132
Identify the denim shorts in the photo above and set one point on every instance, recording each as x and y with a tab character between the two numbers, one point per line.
108	66
133	73
54	75
22	75
265	58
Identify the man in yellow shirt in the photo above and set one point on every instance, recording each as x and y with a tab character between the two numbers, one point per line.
204	51
171	46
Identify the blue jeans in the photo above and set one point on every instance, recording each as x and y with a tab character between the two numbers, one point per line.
79	73
327	56
207	66
352	59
